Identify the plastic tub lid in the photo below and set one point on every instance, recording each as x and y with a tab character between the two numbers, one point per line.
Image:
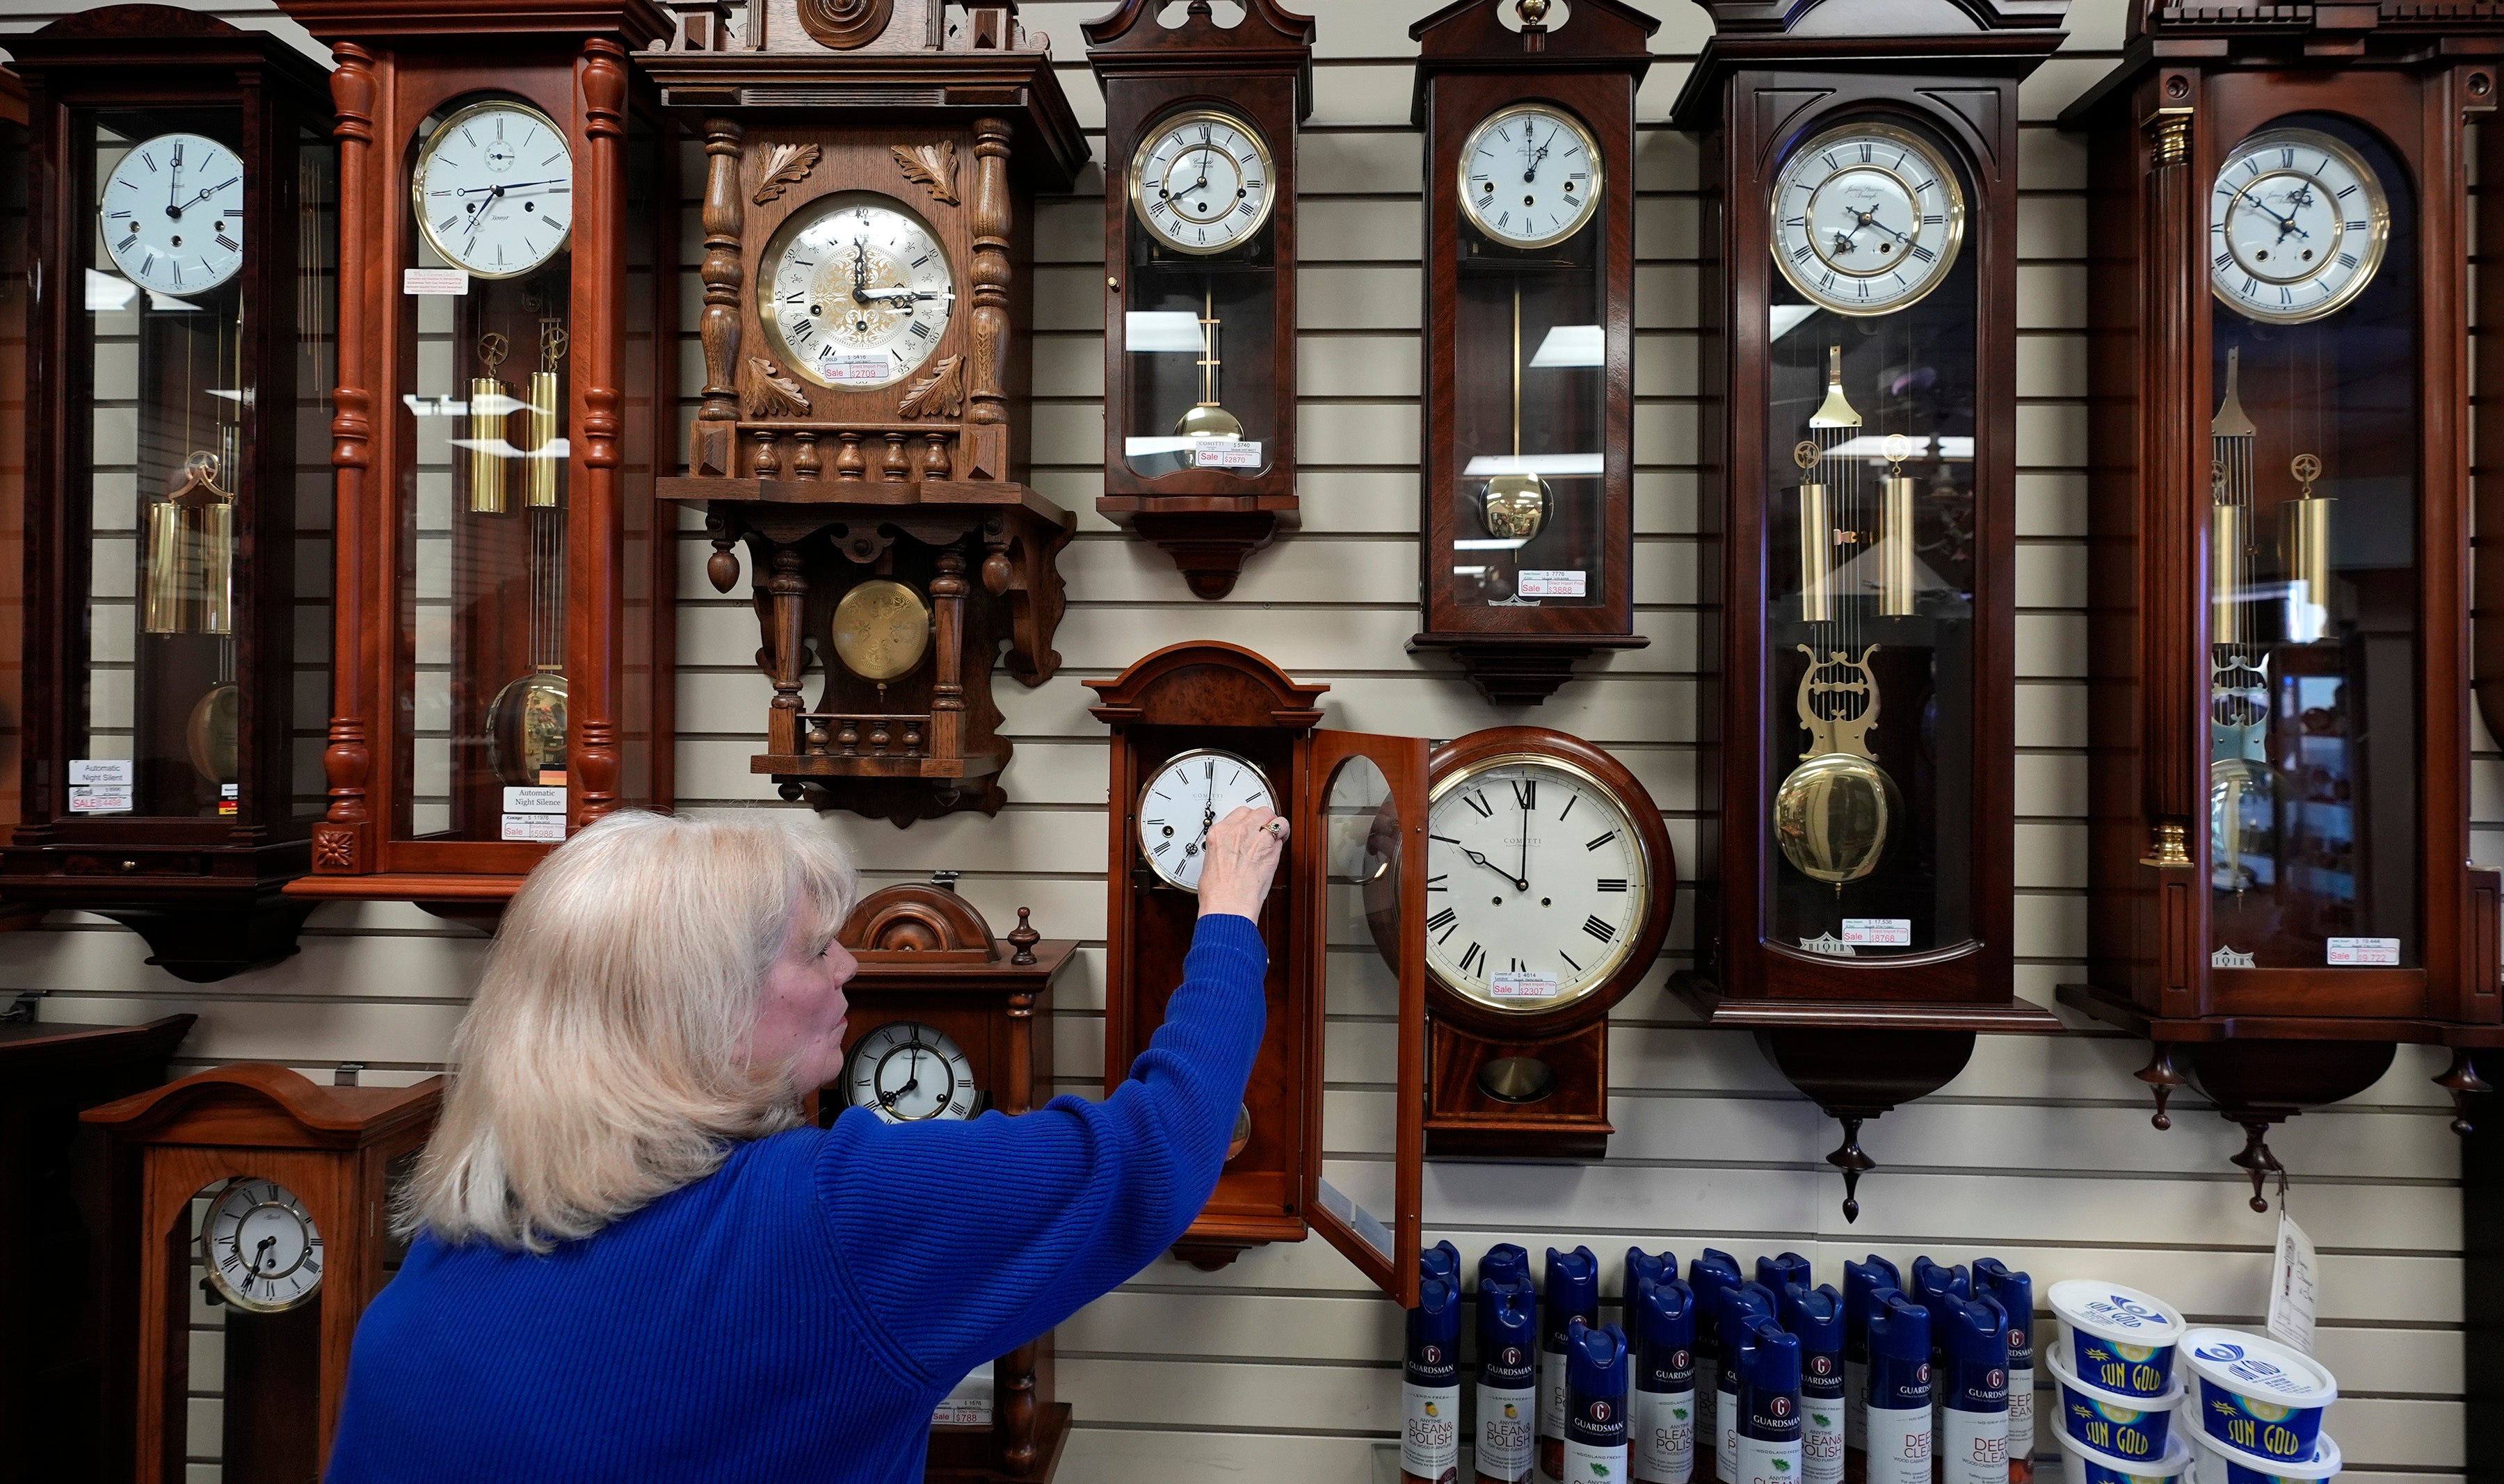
2164	1400
2112	1312
2175	1463
2263	1369
2325	1462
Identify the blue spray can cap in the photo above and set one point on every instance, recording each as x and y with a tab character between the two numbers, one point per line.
1507	1333
1665	1335
1596	1374
1647	1267
1769	1381
1573	1292
1929	1278
2014	1293
1441	1260
1973	1339
1900	1352
1859	1281
1788	1267
1433	1354
1739	1308
1504	1261
1816	1316
1708	1276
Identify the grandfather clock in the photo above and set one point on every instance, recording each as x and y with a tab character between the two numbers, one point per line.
2280	891
1860	296
504	630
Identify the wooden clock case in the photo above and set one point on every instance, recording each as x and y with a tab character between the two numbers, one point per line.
1208	520
2265	1042
926	955
1859	1035
286	1373
399	62
922	481
205	892
1470	63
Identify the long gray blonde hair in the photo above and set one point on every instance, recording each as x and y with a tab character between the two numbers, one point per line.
602	1063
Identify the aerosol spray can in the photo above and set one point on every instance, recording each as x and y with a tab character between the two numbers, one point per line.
1508	1371
1661	1432
1816	1316
1708	1275
1784	1267
1441	1260
1768	1437
1741	1307
1895	1396
1859	1281
1429	1386
1504	1262
1973	1435
2014	1293
1935	1288
1644	1267
1572	1292
1596	1404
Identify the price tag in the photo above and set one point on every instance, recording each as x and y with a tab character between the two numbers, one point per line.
2365	952
548	829
434	281
1878	932
2293	1296
1549	585
228	798
1521	985
1226	453
102	785
528	800
855	369
968	1404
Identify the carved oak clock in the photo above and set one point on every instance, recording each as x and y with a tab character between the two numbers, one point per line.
1527	564
1199	285
870	175
2281	887
1861	190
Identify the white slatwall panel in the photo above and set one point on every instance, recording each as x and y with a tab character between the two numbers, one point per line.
1285	1365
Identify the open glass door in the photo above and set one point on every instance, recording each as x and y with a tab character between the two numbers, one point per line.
1369	894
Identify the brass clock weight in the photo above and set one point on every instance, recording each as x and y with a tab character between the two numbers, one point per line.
191	562
526	721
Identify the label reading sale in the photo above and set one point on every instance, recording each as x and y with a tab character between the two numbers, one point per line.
1899	1445
1505	1422
1878	932
434	281
850	368
1585	1464
2292	1292
1430	1434
1534	583
1660	1434
2365	952
1226	453
527	798
545	829
1522	985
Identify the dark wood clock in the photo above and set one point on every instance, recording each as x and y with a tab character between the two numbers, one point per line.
2279	892
870	177
504	628
1199	730
951	1022
293	1182
1527	562
1199	282
188	185
1860	209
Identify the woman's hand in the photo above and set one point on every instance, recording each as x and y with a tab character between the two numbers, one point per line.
1243	851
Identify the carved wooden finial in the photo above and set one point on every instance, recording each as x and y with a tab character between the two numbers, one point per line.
1024	938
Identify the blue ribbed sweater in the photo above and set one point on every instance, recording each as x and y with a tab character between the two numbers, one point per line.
796	1314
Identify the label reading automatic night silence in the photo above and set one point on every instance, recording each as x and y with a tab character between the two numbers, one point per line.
1522	985
528	800
855	369
547	829
2365	952
1878	932
1226	453
1534	583
434	281
101	785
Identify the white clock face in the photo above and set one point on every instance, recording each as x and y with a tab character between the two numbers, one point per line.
262	1249
1200	184
1530	175
907	1073
859	291
2297	225
173	214
494	189
1191	792
1866	218
1537	883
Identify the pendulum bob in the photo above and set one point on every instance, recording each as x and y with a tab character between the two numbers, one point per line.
1241	1138
1208	420
883	629
1833	813
1514	506
491	402
2305	531
1896	546
2226	537
526	729
209	736
539	462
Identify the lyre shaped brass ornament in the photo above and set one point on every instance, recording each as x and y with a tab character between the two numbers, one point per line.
191	554
1831	814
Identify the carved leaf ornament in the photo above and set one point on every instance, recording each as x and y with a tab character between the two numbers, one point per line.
786	166
930	164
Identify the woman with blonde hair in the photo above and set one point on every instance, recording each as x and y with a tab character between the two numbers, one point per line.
632	1262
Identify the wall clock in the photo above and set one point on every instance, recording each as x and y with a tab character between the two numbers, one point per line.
1200	284
493	191
1862	196
1529	341
293	1180
188	181
1191	723
2279	891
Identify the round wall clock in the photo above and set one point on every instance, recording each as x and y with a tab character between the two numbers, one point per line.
2297	225
1201	183
173	214
494	189
881	629
907	1072
1868	218
261	1247
1182	799
857	291
1530	175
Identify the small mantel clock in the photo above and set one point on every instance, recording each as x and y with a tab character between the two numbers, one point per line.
1200	730
280	1189
507	364
868	205
2279	887
1199	277
951	1022
1528	518
1860	298
184	209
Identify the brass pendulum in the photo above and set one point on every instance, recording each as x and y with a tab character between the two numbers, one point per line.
1207	419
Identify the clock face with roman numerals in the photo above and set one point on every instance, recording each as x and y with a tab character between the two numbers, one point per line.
173	214
261	1247
1190	792
857	290
1538	883
2297	225
1866	218
1530	175
1201	183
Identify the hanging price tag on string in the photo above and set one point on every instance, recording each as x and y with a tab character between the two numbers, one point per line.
2293	1276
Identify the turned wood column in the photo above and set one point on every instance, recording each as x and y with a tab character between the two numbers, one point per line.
986	451
596	608
343	841
712	447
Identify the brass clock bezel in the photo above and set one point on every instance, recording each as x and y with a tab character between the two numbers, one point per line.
807	215
1138	806
217	1275
2378	230
434	142
1603	973
1590	146
1952	233
1182	117
940	1038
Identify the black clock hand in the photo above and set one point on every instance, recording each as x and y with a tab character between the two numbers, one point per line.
509	186
861	269
174	182
1524	878
478	218
1475	859
2286	224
